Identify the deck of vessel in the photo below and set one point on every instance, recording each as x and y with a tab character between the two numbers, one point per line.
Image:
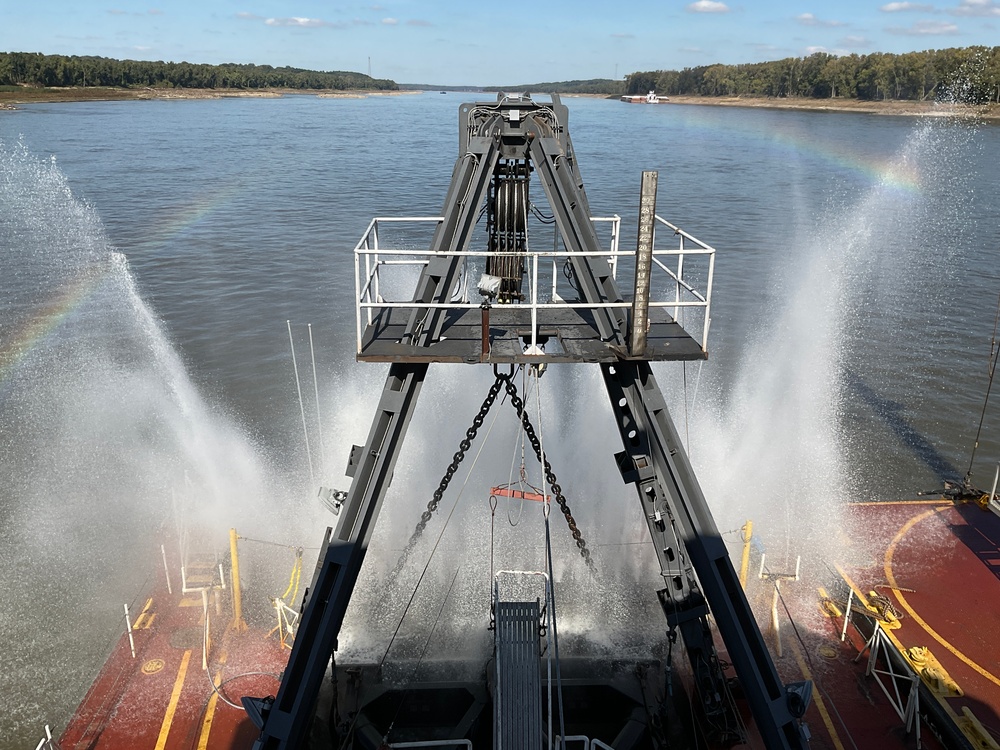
939	564
163	698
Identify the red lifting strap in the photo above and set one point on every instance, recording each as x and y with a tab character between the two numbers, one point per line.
518	494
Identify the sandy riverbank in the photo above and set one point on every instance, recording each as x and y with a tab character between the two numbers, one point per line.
903	108
9	99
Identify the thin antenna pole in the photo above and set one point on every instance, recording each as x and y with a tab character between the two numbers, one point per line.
319	421
302	410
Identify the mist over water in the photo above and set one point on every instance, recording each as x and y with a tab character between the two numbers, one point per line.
103	440
777	447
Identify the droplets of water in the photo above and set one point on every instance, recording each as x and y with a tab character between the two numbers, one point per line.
99	427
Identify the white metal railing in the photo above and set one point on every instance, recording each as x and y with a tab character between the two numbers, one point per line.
373	259
47	743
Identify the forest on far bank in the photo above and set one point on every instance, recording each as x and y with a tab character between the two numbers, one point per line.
36	69
965	74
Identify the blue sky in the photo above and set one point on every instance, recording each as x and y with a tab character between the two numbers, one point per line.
471	42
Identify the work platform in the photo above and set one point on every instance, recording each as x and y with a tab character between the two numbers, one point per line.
565	335
550	323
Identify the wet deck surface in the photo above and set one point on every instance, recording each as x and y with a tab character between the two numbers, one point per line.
163	699
939	565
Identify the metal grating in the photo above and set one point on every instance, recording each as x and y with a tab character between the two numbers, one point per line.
517	699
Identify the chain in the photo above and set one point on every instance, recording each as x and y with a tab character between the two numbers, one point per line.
470	435
550	476
503	381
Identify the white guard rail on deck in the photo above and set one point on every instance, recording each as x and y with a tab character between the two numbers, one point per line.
374	259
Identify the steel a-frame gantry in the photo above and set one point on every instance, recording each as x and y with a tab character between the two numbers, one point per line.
501	142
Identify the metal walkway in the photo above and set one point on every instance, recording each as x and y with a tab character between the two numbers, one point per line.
517	702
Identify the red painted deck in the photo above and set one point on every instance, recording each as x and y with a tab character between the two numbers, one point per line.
939	565
163	698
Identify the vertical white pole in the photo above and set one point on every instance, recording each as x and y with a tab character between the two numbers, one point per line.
319	421
128	629
166	570
302	410
847	615
993	492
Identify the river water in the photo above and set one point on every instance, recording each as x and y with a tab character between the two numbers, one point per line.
153	251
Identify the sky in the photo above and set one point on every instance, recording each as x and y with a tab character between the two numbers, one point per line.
465	42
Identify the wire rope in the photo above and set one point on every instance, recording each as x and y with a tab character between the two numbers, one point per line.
423	652
991	369
812	668
547	506
437	541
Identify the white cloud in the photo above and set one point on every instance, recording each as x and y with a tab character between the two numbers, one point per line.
976	8
692	50
854	42
117	12
418	22
155	12
926	28
390	21
708	6
900	7
305	23
814	50
249	16
808	19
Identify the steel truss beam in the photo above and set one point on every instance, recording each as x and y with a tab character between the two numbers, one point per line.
681	526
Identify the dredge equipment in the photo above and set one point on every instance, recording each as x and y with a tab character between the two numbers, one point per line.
503	145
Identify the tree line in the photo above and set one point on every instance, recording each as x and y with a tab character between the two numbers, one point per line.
589	86
36	69
967	74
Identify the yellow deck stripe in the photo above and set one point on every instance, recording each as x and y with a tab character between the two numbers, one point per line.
206	725
906	605
142	616
175	696
817	698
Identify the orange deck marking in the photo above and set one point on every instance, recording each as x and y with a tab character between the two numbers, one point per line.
175	696
912	612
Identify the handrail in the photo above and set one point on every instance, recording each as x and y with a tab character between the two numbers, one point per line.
433	743
378	258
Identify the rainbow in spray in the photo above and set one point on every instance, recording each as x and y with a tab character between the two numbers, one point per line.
898	174
68	297
49	316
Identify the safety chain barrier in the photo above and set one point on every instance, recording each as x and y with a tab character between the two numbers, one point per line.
503	381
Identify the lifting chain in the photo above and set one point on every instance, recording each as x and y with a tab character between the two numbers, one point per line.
550	476
502	381
470	435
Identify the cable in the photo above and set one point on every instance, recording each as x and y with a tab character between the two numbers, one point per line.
438	540
812	668
994	354
423	653
552	581
217	688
